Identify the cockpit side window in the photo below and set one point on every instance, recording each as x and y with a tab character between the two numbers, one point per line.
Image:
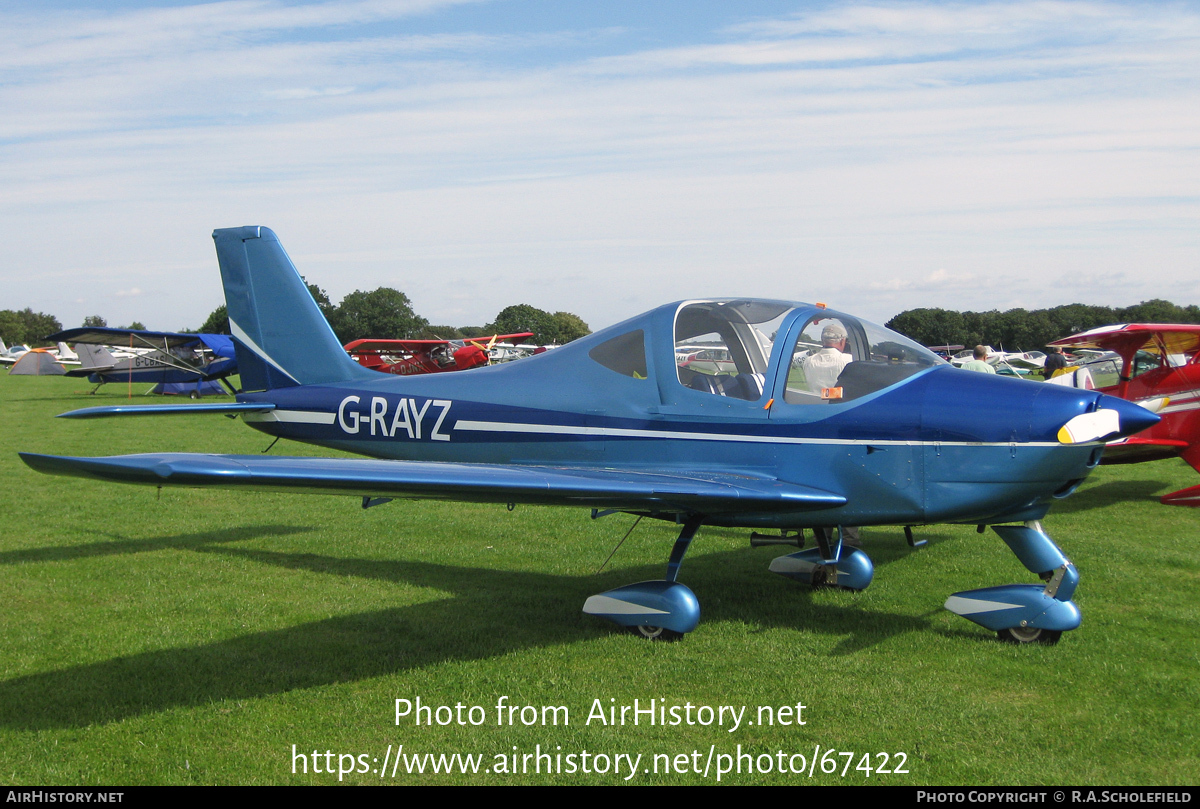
625	354
724	347
823	349
836	359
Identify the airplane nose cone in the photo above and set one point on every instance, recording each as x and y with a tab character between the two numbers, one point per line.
1111	418
1133	417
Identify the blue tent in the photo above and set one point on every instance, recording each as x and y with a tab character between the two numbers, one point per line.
209	387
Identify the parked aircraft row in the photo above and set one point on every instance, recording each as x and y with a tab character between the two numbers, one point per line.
1018	363
63	355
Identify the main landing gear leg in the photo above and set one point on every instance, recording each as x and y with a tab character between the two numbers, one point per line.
1026	613
658	610
830	564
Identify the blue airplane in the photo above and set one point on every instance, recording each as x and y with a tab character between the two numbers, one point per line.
161	357
807	418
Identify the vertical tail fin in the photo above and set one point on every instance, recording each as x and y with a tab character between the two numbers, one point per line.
95	357
281	337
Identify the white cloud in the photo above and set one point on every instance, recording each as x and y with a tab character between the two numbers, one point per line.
881	156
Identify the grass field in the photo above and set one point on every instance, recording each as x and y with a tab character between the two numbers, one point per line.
194	637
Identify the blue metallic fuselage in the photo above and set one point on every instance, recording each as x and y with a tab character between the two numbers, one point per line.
942	445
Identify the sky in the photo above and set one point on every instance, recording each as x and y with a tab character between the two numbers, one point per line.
601	158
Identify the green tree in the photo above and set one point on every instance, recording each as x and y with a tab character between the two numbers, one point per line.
322	300
1076	317
523	317
569	327
439	333
12	327
94	322
1029	330
38	325
217	323
136	325
557	328
930	326
1154	311
384	313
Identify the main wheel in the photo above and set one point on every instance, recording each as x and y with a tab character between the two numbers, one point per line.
1028	634
655	633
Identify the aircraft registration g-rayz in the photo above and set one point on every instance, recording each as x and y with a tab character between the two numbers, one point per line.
427	356
611	421
1159	369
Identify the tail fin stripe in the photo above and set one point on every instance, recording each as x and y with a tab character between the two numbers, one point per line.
250	344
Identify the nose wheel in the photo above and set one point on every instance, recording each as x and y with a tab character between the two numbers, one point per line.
655	633
1029	634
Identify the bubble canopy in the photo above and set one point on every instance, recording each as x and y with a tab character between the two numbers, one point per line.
738	348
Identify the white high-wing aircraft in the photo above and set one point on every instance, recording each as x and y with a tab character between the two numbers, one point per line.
9	356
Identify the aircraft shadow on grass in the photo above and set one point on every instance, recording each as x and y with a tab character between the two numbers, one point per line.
491	613
1112	493
118	545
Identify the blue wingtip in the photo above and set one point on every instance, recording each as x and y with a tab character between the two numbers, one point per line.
165	410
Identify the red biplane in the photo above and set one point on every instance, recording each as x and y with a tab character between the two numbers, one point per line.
1158	361
406	357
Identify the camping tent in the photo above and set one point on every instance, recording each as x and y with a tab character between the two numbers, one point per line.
38	362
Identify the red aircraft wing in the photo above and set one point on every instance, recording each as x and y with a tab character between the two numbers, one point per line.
427	356
1127	338
1178	433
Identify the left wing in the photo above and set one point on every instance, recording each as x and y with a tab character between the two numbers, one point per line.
483	483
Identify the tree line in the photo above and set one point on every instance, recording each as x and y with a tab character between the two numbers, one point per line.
1029	330
384	313
387	313
27	326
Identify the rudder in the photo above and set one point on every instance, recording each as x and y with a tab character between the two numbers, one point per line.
280	335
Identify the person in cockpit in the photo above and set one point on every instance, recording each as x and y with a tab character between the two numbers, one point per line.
822	368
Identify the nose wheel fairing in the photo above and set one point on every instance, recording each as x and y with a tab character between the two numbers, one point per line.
1023	607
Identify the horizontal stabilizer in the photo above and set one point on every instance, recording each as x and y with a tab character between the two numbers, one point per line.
1183	497
533	485
166	410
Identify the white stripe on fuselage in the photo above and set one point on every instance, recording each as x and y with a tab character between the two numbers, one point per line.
616	432
317	417
292	417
